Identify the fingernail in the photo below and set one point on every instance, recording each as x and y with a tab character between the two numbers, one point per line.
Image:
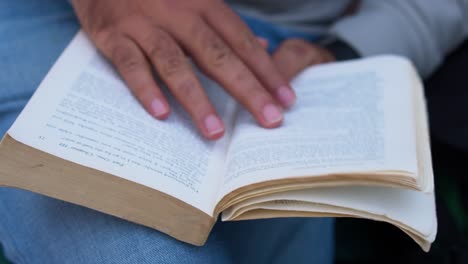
286	96
213	125
272	114
159	108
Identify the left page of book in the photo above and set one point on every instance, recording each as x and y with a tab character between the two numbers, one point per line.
84	113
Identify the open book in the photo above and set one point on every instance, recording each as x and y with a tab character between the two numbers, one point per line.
355	145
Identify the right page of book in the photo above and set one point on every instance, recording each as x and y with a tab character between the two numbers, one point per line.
414	212
350	117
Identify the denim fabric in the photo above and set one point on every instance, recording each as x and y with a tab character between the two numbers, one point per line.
274	34
38	229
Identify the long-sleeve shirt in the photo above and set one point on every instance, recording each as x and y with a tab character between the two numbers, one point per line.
422	30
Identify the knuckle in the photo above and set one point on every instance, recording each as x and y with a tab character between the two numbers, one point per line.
220	54
172	65
118	50
172	61
240	77
187	89
165	52
216	51
246	85
105	37
248	44
157	41
125	58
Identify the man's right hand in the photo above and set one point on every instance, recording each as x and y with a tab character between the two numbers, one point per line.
140	35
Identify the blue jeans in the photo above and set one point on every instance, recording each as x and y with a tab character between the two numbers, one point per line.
38	229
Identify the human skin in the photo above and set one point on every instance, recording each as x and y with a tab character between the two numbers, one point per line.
139	36
294	55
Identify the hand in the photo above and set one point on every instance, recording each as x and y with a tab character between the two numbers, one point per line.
294	55
140	35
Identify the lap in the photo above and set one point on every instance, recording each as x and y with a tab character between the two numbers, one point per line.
38	229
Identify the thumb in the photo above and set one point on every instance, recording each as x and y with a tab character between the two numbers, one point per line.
294	55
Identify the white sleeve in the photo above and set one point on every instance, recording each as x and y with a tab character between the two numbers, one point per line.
422	30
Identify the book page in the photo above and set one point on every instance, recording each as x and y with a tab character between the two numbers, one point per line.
412	211
350	117
84	113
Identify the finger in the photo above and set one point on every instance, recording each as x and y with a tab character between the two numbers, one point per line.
263	42
218	60
240	38
294	55
170	62
136	72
